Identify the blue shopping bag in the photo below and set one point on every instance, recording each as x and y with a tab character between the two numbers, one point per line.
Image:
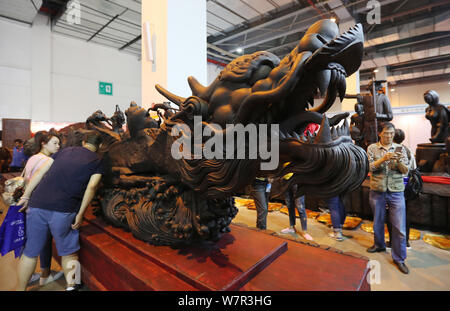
12	232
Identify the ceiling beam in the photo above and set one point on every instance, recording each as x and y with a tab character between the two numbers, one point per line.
15	19
130	43
228	9
220	56
212	46
305	23
127	4
340	10
104	26
264	25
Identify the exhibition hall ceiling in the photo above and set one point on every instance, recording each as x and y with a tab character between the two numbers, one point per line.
113	23
410	37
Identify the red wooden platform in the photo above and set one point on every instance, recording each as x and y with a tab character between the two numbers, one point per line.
243	259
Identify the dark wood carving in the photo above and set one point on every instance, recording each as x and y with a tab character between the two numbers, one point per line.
15	129
434	157
371	113
168	201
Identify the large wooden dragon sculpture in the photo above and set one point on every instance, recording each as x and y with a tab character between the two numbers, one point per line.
168	201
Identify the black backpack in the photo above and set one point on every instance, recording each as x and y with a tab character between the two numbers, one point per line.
414	185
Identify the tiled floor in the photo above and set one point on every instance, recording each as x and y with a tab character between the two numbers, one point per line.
429	266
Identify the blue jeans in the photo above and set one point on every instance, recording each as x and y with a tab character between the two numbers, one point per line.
337	212
396	204
259	195
298	204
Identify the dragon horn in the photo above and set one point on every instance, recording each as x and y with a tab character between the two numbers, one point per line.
172	97
196	87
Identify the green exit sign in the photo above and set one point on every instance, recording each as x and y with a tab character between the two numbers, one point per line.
105	88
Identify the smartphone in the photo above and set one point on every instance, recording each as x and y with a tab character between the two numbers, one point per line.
398	150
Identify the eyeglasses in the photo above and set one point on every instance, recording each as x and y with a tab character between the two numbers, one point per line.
388	134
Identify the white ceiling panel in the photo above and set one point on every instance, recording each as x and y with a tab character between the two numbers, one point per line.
408	76
61	29
390	35
101	6
22	10
282	2
418	74
224	13
434	72
404	57
99	39
376	41
404	54
117	34
369	64
444	50
390	79
391	57
380	61
418	54
261	5
218	21
130	4
93	15
241	7
85	23
433	52
424	26
132	17
124	28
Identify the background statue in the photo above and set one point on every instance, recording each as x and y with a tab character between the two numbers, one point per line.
434	157
117	121
382	105
438	115
357	123
371	113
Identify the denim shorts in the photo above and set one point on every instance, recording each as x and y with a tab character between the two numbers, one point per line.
40	223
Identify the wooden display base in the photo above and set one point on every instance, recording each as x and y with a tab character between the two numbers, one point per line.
243	259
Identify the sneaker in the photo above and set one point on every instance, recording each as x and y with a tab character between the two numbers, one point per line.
388	244
52	277
74	288
336	236
408	246
402	267
307	236
374	249
34	278
288	230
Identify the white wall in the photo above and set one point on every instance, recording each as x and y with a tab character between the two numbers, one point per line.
79	66
410	95
213	71
75	70
15	70
417	129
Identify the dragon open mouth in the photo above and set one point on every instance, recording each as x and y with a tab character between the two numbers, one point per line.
332	63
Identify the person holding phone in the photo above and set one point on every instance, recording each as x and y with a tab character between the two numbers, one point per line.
388	162
399	137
